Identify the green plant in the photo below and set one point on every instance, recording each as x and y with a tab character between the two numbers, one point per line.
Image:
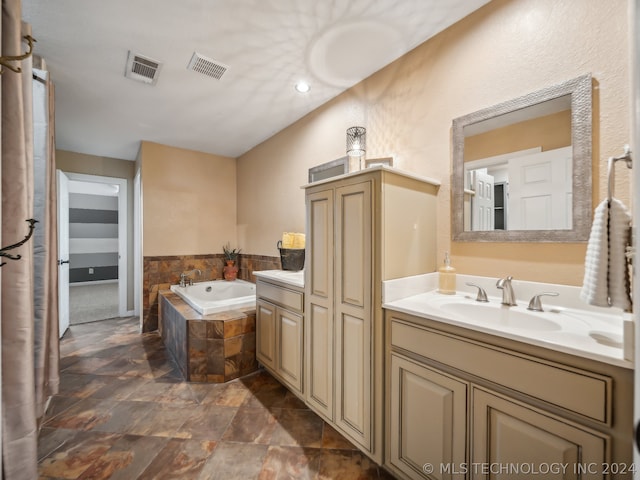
229	253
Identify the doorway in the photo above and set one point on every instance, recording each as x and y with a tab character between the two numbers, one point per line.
93	248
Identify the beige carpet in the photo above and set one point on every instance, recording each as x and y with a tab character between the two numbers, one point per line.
88	303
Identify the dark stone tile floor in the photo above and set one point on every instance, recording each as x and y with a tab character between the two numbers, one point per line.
125	412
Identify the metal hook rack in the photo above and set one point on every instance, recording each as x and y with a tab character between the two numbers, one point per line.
626	157
3	251
4	61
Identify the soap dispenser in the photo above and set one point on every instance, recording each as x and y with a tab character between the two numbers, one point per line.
447	277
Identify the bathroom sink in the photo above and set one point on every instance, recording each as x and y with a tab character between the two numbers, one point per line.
609	339
498	315
592	332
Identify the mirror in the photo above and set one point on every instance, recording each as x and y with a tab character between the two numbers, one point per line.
329	169
522	169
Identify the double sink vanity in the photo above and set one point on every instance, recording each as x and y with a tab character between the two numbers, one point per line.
484	385
474	385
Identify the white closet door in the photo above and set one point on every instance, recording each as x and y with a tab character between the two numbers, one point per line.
63	252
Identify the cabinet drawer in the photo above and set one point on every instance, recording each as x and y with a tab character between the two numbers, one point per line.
582	392
506	432
281	296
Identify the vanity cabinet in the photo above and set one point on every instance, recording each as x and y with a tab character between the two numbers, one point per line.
466	402
359	233
427	418
506	432
279	332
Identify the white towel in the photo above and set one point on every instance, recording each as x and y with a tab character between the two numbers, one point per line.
619	240
594	286
606	276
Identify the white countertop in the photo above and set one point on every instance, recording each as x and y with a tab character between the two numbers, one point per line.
386	168
589	333
289	277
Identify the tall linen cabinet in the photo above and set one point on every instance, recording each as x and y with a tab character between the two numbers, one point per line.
362	228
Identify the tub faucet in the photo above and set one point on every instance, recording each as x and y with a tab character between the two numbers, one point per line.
508	297
185	275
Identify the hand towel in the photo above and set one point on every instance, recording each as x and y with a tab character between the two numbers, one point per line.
619	239
298	240
606	277
287	240
594	286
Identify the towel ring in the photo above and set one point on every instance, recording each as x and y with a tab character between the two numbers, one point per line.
611	167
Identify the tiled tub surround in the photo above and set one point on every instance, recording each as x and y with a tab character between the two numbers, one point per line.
163	271
212	348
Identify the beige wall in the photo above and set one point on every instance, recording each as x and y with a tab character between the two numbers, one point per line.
505	50
548	132
94	165
74	162
188	201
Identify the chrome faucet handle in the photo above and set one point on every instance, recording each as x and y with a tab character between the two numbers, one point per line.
482	295
185	275
536	305
508	297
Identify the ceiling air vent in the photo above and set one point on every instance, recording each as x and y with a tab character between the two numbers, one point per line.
143	69
206	66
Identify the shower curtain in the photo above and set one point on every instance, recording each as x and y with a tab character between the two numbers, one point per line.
45	239
28	359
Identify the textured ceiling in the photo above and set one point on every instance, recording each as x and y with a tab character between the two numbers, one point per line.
268	45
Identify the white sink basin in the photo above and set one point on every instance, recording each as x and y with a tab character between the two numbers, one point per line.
588	333
610	339
502	316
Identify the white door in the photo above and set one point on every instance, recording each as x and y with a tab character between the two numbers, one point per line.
539	195
121	185
63	252
482	203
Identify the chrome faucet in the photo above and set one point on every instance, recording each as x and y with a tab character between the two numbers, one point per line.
482	295
185	275
508	297
536	305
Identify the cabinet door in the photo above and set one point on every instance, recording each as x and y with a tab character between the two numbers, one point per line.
354	285
508	435
266	333
289	345
428	418
319	302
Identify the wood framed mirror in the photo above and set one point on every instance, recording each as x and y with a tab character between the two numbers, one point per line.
522	169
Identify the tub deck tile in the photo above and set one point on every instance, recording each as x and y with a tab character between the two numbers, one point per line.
217	347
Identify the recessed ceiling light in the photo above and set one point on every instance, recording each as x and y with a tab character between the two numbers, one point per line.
302	87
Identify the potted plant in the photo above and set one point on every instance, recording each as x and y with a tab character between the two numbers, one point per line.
230	257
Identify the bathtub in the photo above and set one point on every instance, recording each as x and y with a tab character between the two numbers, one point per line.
217	295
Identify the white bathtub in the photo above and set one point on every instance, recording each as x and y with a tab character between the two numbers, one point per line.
218	295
